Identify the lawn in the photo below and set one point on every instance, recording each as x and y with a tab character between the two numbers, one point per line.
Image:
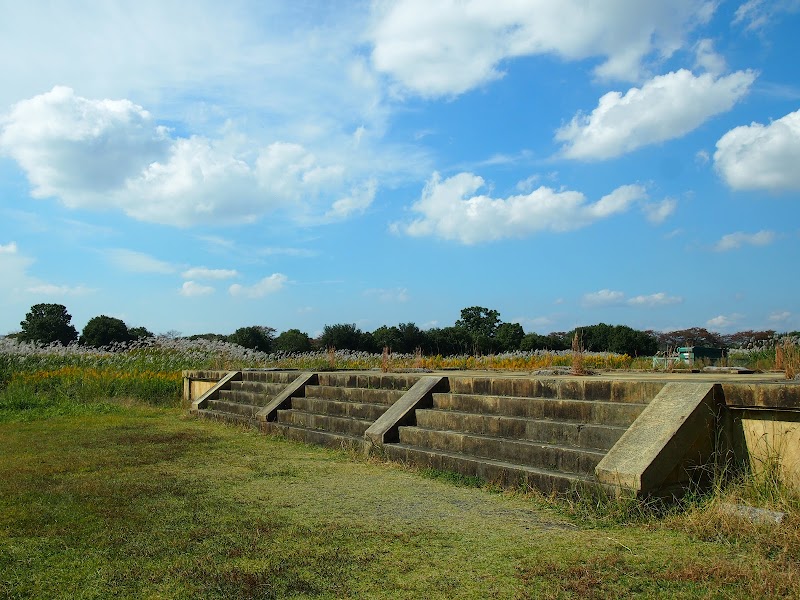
138	501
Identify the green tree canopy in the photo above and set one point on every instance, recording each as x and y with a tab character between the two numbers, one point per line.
480	324
48	323
255	337
508	337
293	340
345	336
104	331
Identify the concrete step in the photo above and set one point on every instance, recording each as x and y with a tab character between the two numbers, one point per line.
578	411
235	408
346	425
354	394
242	397
498	472
313	436
521	452
593	436
576	389
385	381
227	417
258	387
266	376
356	410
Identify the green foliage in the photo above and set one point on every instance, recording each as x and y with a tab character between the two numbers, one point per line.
345	336
255	337
46	324
103	331
508	337
481	324
293	340
618	338
139	333
534	341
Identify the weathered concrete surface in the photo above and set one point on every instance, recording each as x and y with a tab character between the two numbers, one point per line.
673	434
384	429
213	392
283	400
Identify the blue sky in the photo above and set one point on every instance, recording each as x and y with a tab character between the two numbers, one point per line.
202	167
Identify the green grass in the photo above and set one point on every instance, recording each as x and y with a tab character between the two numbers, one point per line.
143	502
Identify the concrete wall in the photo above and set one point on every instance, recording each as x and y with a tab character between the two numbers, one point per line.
197	383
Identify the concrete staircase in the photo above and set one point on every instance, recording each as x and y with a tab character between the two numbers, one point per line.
547	434
338	409
246	397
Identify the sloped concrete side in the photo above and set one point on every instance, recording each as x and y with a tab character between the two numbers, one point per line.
213	393
673	435
283	400
384	429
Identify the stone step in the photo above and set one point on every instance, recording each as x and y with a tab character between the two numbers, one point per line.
521	452
497	472
383	381
593	436
258	387
576	389
242	397
235	408
346	425
314	436
357	410
578	411
267	376
354	394
227	417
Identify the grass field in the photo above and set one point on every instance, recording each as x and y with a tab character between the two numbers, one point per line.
143	502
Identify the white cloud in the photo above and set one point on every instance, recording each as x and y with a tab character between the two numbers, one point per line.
702	157
204	273
268	285
761	157
723	321
664	108
603	298
658	212
388	295
10	248
451	210
449	47
111	154
707	59
138	262
780	317
757	14
657	299
191	289
732	241
57	291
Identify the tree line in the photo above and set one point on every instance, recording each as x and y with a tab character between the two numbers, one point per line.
479	330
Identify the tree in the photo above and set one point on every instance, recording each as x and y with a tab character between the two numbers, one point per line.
411	337
534	341
344	336
48	323
138	333
104	331
255	337
508	337
293	340
481	324
390	337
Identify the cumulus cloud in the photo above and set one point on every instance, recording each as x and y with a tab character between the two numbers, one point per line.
608	297
138	262
732	241
658	212
664	108
723	321
268	285
205	273
112	154
761	157
707	59
10	248
603	298
191	289
657	299
451	209
448	47
780	317
757	14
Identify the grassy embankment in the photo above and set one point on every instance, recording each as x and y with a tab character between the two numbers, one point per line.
108	489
